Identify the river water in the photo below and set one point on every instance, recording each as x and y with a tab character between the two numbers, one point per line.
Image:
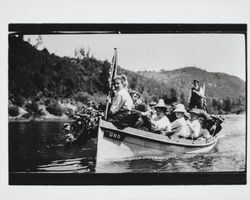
37	147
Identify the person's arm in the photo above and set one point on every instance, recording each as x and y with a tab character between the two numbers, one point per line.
174	125
115	106
169	127
146	113
199	93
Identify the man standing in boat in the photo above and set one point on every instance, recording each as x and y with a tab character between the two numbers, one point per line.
196	96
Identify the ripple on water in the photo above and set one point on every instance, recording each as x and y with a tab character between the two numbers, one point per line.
36	147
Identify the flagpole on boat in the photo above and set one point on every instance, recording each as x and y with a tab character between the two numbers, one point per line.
112	74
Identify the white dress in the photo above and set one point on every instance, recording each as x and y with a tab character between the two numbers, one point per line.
162	124
196	126
180	127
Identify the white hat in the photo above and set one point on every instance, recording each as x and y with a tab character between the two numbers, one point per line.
160	104
180	108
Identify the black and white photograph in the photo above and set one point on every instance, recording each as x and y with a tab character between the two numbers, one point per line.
127	104
124	99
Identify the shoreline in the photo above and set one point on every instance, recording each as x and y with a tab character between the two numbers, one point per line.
67	119
40	119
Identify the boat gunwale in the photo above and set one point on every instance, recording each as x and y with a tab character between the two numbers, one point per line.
156	137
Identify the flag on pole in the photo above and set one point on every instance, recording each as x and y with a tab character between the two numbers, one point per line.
114	63
112	74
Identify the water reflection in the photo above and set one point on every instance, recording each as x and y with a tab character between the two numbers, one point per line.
184	163
39	143
37	147
78	165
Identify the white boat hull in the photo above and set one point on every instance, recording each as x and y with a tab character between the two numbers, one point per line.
115	144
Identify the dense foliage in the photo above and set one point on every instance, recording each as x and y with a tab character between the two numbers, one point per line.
13	110
46	78
54	109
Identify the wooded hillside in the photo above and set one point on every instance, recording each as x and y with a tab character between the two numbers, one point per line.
43	77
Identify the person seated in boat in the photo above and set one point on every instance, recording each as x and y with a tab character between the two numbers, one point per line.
153	114
150	111
179	125
161	123
216	126
152	104
196	96
139	108
194	126
144	119
204	133
122	102
135	97
203	119
187	118
170	112
139	105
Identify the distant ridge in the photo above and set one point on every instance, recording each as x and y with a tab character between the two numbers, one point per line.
217	84
44	77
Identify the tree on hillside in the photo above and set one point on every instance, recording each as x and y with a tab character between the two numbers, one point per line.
104	76
79	53
173	92
32	71
227	104
183	100
39	41
133	82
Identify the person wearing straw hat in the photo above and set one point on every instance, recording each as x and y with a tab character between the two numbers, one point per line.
152	111
179	125
161	122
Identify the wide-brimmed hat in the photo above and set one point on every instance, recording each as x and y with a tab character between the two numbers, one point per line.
161	104
205	115
180	108
220	118
151	104
201	113
195	111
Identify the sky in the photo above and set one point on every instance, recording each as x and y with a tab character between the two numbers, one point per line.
212	52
